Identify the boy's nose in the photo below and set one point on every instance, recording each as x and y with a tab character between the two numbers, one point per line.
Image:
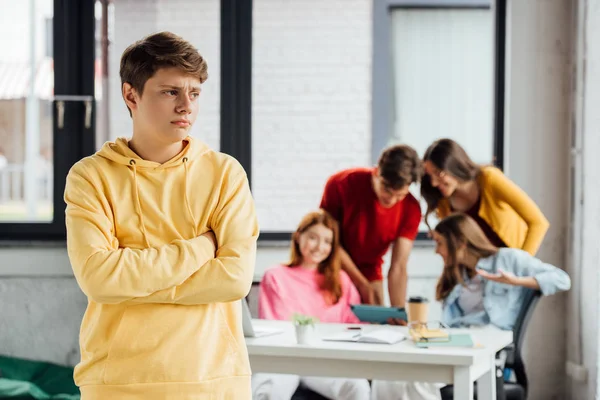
184	106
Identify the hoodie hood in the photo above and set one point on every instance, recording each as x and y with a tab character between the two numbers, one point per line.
119	152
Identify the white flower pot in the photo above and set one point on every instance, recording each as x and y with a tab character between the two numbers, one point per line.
305	334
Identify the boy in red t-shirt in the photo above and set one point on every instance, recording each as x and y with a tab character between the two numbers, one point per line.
375	209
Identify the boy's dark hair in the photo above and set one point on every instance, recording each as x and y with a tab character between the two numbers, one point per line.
399	166
142	59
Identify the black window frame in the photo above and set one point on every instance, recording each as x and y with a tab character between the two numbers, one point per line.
236	90
73	55
74	60
236	71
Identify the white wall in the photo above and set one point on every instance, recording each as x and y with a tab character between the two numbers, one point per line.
48	309
311	101
583	304
537	149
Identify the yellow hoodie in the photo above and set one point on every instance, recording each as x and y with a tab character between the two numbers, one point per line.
162	320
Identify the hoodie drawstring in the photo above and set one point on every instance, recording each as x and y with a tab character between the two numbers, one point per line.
185	194
137	202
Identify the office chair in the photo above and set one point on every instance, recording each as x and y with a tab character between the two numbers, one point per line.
512	390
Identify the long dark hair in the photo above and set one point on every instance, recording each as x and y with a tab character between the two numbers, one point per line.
449	157
459	229
329	268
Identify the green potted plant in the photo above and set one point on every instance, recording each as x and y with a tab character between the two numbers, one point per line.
305	328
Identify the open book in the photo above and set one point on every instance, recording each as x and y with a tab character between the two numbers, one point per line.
383	336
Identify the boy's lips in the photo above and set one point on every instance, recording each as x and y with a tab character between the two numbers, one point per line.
181	122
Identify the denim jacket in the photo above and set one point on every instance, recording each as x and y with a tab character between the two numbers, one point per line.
502	302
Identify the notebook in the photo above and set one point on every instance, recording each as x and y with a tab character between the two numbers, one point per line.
429	335
380	336
457	340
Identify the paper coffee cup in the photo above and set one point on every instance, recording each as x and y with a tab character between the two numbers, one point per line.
418	308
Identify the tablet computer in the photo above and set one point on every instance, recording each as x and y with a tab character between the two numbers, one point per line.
377	314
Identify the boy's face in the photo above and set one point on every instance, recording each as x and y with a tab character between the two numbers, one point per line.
168	107
387	196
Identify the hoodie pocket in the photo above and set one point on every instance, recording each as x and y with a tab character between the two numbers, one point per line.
170	343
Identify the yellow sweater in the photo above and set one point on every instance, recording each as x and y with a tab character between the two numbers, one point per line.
162	320
508	210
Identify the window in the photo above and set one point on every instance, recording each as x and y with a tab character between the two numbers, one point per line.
25	124
323	100
297	91
443	78
79	73
321	94
35	151
440	60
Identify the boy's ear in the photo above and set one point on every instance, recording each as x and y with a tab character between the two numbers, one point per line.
130	96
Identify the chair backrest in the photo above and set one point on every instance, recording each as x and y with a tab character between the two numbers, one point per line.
516	363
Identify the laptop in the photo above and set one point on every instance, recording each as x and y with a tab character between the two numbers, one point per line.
250	330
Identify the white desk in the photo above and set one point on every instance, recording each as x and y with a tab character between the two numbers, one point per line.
402	361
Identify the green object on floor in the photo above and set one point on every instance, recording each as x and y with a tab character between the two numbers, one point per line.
36	380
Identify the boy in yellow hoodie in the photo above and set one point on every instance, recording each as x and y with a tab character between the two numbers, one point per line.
161	234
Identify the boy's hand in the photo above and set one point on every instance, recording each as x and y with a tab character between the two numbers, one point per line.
211	236
367	293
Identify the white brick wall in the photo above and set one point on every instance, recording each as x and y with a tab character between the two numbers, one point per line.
311	101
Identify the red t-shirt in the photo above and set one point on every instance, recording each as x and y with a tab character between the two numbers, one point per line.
367	228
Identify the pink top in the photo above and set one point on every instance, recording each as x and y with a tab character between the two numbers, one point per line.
287	290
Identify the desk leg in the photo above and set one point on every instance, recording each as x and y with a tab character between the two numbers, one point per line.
463	383
486	384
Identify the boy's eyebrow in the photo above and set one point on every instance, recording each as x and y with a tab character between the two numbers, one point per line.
196	88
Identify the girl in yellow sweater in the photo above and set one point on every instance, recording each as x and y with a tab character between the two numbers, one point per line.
454	183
